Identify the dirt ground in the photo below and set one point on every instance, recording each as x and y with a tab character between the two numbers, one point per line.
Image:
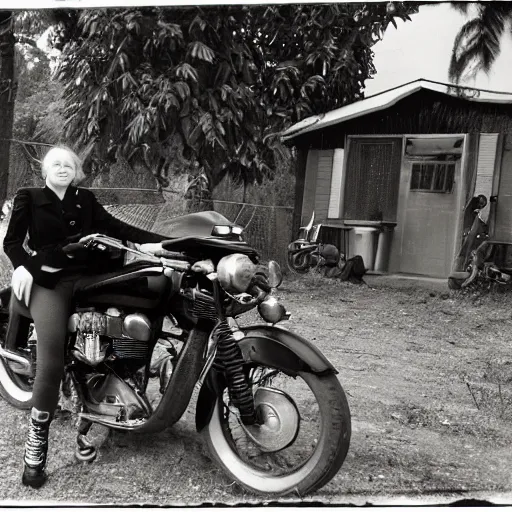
429	382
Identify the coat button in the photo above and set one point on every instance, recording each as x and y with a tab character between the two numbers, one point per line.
72	223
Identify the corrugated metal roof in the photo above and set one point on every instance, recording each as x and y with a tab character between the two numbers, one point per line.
383	100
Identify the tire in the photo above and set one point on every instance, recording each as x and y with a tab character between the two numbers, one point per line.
326	458
14	389
297	264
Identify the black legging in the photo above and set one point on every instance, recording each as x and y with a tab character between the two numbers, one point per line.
50	310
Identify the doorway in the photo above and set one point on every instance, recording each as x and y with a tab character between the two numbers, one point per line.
429	197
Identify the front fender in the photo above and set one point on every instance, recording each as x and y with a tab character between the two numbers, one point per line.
269	346
282	349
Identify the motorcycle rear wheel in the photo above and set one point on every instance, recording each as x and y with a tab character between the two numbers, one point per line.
324	431
14	388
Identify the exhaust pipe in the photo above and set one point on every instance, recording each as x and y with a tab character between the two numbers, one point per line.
25	365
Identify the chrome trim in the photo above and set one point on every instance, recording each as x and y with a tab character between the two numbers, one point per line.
12	356
118	425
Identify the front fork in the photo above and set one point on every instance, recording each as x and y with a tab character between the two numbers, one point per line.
229	361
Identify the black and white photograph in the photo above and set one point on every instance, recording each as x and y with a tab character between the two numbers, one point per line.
255	253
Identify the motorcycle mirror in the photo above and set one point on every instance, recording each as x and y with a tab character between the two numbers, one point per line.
275	275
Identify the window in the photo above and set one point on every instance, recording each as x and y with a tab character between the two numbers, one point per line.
432	177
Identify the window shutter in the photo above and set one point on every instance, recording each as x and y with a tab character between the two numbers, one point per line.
323	184
485	167
308	198
336	180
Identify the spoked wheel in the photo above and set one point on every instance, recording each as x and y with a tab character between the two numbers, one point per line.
303	440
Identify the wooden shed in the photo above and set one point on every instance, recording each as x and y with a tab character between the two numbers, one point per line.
392	174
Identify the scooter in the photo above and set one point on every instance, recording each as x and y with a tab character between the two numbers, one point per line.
306	252
483	258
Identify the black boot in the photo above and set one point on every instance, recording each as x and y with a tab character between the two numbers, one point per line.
36	449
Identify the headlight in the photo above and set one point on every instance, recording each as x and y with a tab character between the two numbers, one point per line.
227	230
235	272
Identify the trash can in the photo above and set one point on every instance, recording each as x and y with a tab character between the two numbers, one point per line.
383	248
362	243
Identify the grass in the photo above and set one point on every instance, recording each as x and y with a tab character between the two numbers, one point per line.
428	376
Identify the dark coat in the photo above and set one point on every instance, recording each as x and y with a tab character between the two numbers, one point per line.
51	224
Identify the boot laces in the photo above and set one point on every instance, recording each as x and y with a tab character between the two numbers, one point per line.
36	445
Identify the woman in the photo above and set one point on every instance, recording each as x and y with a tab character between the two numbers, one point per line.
54	216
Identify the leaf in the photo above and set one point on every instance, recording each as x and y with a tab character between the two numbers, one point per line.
182	89
186	71
197	22
201	51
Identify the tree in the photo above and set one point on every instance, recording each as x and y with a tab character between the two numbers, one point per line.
477	45
209	89
7	95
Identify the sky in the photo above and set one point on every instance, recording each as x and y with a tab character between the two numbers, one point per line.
421	48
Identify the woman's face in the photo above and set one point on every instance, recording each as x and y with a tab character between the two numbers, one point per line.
60	168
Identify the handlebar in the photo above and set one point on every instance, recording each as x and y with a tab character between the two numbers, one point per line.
103	242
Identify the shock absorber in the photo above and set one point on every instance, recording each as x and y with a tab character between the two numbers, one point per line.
230	360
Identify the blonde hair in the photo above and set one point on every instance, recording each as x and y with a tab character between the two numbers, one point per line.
77	162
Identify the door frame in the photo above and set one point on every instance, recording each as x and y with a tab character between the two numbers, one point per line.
403	196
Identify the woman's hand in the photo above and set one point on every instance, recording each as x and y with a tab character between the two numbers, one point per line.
21	282
86	238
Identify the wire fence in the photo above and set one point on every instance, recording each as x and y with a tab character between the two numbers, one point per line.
266	228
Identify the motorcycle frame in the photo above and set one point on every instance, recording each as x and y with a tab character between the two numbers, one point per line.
264	344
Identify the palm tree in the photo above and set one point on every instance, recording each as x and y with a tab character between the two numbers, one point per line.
477	45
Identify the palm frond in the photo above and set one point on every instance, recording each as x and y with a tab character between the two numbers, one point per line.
478	42
460	6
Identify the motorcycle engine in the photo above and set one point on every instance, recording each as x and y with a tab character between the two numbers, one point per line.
110	335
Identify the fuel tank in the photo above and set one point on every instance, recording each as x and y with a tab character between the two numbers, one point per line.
134	286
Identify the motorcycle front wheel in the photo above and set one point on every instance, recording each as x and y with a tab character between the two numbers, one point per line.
312	434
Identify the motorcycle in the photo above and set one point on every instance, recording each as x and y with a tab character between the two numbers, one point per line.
306	252
270	407
482	258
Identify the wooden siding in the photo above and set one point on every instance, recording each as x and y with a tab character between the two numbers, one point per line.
308	201
485	167
334	210
323	185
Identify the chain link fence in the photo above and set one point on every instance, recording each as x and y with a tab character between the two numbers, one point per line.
266	228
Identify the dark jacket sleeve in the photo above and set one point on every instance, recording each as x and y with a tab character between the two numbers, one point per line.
17	232
104	222
15	238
